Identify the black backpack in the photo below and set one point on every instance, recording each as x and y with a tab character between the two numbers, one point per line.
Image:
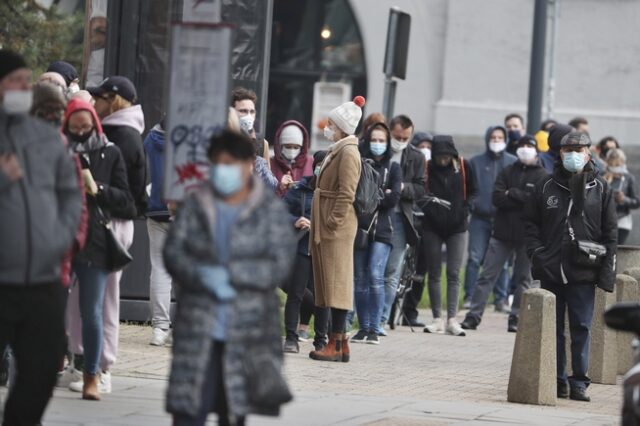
368	193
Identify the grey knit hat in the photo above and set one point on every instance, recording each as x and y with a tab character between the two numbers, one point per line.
575	139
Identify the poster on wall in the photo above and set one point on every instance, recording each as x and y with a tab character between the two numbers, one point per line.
201	11
197	104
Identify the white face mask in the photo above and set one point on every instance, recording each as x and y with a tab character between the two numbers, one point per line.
527	154
398	146
497	147
620	170
246	123
17	101
427	153
329	133
290	154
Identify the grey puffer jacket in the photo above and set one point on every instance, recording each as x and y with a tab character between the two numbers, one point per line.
40	212
262	250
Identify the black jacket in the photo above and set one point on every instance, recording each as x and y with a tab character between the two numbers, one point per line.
627	185
514	186
108	170
454	183
412	165
129	141
547	235
390	183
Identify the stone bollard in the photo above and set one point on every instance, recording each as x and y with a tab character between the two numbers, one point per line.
634	273
627	257
603	357
533	367
626	291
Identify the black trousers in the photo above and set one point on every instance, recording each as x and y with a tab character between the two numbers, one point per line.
300	301
32	324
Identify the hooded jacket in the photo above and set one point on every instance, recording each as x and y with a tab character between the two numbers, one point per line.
40	212
108	169
549	158
486	168
390	179
546	232
454	183
299	200
154	147
513	188
124	128
412	167
301	166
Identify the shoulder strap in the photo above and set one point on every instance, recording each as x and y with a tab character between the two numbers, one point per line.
464	178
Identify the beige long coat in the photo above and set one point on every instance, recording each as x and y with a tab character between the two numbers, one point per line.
334	224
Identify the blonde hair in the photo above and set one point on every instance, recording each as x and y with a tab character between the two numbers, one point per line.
616	155
117	103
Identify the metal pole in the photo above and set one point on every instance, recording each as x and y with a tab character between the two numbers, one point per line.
536	75
266	63
551	95
389	84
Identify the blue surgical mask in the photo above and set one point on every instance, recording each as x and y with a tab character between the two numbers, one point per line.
317	171
378	148
574	162
226	178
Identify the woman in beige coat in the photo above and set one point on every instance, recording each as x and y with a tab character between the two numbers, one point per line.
334	224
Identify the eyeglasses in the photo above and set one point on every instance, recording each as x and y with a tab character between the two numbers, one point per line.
81	130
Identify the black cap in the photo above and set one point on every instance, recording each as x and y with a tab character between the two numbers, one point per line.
527	140
319	157
65	69
575	139
116	84
9	62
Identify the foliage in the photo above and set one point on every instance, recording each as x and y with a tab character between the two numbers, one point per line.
41	35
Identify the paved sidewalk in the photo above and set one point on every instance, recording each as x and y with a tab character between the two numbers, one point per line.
410	379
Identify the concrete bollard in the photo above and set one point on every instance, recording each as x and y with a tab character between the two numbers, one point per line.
634	273
533	367
627	257
603	357
626	291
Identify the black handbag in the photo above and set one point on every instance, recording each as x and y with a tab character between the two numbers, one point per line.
117	255
584	252
364	236
266	386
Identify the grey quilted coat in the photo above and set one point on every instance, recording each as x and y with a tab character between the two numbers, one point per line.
262	249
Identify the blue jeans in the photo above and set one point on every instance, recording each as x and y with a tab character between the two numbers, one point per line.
93	283
479	235
394	264
369	268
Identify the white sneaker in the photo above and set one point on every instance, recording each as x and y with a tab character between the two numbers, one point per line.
68	376
437	326
160	337
103	387
454	329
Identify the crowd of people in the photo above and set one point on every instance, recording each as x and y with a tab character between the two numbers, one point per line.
330	229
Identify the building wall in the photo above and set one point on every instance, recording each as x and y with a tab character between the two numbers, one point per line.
469	63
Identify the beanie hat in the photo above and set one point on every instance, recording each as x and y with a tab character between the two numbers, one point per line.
420	137
556	134
44	93
542	138
575	139
291	135
65	69
527	140
348	115
319	157
443	145
9	62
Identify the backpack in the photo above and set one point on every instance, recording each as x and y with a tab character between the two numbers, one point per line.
368	193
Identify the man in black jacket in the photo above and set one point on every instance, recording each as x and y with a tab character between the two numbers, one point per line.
572	205
513	187
411	161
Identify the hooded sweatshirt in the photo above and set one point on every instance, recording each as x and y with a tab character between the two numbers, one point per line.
154	147
301	166
124	128
486	168
549	158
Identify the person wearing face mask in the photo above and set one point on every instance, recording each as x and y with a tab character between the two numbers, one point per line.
229	248
551	157
36	176
412	164
486	168
108	196
514	123
370	262
513	188
300	304
574	205
70	75
600	152
244	102
291	160
450	181
623	185
333	226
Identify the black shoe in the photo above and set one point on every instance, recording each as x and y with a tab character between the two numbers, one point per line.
579	394
360	337
412	323
291	347
372	338
319	344
563	390
512	327
469	324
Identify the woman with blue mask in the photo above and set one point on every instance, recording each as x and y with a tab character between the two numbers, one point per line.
370	262
229	248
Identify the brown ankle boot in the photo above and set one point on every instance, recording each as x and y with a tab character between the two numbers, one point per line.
331	352
346	353
90	387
